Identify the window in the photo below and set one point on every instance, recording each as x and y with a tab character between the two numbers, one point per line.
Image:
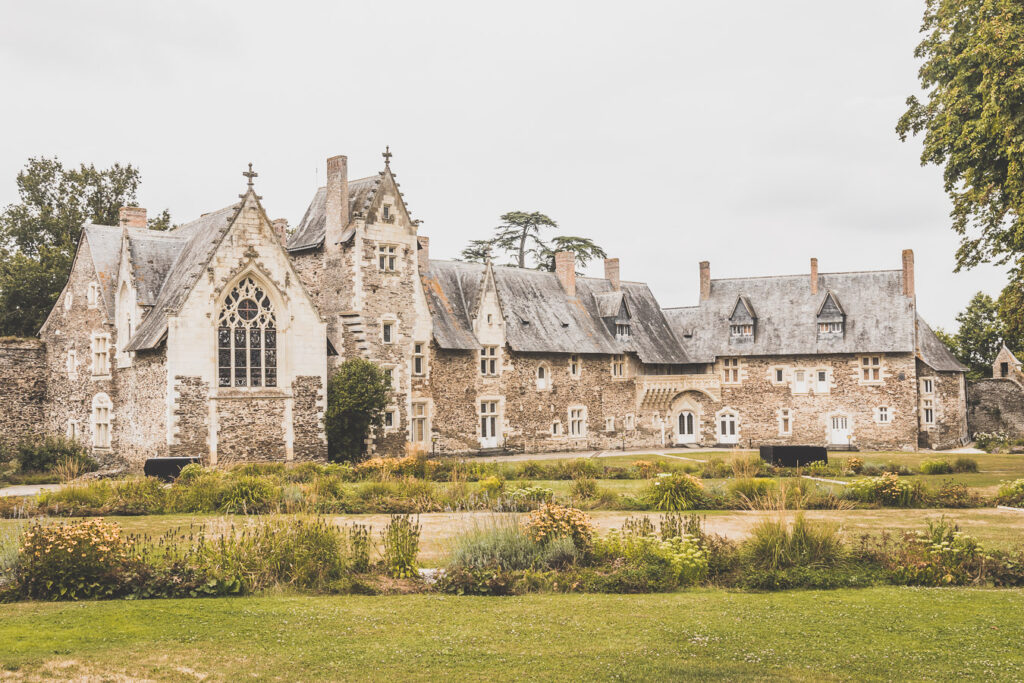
556	428
489	361
418	360
74	430
247	338
390	419
387	332
799	382
727	428
629	422
72	364
490	318
871	369
420	428
489	421
577	422
731	370
101	421
575	366
389	374
100	354
93	294
821	386
543	378
883	415
927	386
1004	368
830	328
785	422
780	375
622	330
609	424
387	258
618	366
745	330
929	411
386	213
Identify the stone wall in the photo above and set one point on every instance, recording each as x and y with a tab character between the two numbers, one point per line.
22	389
141	427
250	430
995	405
190	426
308	419
949	401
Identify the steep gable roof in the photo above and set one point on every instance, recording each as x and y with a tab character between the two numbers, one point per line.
743	310
152	255
830	307
104	245
933	352
311	229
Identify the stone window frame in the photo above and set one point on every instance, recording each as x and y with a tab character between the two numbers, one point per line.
425	416
498	414
100	355
389	329
71	363
542	383
260	339
556	428
74	429
387	257
795	382
396	419
92	295
928	412
385	214
419	353
575	365
618	363
885	411
101	420
609	424
731	370
389	371
871	369
927	386
784	417
818	382
578	422
490	361
727	410
629	422
777	375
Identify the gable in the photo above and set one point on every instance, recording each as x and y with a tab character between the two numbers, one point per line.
830	310
742	312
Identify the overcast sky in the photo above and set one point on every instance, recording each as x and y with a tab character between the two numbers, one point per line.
751	134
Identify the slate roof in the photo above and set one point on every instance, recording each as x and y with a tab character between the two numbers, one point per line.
540	317
878	317
104	242
152	254
933	352
311	229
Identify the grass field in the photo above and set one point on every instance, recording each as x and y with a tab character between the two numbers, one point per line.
871	634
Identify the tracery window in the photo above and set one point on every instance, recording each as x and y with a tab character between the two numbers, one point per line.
247	338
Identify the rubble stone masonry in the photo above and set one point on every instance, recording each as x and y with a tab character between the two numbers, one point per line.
22	389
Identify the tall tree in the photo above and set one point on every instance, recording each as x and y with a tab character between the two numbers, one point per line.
520	236
1011	314
972	121
520	232
980	335
478	251
357	394
38	234
586	250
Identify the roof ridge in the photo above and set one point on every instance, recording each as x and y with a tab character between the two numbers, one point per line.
777	277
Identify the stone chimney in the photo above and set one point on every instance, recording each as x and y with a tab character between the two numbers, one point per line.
705	280
423	254
281	229
337	201
132	217
908	272
565	269
814	276
611	273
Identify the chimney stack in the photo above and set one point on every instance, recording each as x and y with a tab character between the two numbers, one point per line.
908	272
423	255
611	273
337	200
814	276
281	229
565	269
132	217
705	280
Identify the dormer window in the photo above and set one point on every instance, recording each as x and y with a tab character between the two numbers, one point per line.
741	330
831	318
742	321
830	328
622	330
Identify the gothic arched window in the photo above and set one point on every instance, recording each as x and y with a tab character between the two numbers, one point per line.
247	338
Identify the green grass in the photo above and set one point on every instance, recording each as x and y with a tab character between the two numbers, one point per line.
872	634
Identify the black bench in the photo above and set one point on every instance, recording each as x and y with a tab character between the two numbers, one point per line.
793	456
167	469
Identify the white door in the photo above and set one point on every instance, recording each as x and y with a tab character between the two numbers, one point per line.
840	433
727	432
686	431
488	424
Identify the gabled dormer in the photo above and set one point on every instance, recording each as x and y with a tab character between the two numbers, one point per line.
831	318
614	312
742	322
488	318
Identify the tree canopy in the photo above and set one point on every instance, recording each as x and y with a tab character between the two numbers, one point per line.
357	394
979	336
520	236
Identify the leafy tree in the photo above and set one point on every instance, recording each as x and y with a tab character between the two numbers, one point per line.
521	231
1011	314
478	251
38	235
357	394
585	250
973	71
980	335
161	221
520	236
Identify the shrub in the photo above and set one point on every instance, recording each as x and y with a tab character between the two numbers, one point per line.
746	467
936	467
197	490
715	469
940	556
1011	493
492	486
965	465
357	394
401	539
994	442
855	464
583	488
954	495
249	495
136	496
552	521
774	545
190	473
503	544
895	468
751	489
359	547
678	561
559	553
887	489
674	492
72	561
42	454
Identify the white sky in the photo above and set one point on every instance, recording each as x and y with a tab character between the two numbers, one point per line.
751	134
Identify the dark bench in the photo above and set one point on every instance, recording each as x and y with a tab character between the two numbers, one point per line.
793	456
167	469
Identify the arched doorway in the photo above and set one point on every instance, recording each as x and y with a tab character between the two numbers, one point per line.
686	427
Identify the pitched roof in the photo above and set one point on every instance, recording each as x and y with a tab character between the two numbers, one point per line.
313	226
200	239
104	242
879	318
540	317
933	352
152	254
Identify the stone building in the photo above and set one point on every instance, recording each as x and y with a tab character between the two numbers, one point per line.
996	405
216	339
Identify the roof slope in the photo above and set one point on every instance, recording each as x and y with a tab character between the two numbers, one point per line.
878	317
313	226
152	254
105	248
540	317
933	352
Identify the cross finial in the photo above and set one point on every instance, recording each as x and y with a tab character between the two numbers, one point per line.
387	156
250	174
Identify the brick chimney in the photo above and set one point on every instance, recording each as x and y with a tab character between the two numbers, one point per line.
423	255
565	269
281	229
705	280
814	276
337	200
132	217
611	273
908	272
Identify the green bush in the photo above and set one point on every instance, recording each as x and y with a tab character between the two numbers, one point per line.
401	540
961	465
357	394
994	442
887	489
190	473
750	489
936	467
42	454
774	545
1011	493
583	488
197	490
559	553
249	495
492	486
952	494
502	545
674	492
72	561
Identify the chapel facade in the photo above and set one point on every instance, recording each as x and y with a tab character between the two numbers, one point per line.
216	338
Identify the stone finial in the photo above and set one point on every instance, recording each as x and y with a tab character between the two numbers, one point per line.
565	269
611	273
387	156
132	217
250	174
814	276
705	280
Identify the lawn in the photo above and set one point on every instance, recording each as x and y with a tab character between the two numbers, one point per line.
879	633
